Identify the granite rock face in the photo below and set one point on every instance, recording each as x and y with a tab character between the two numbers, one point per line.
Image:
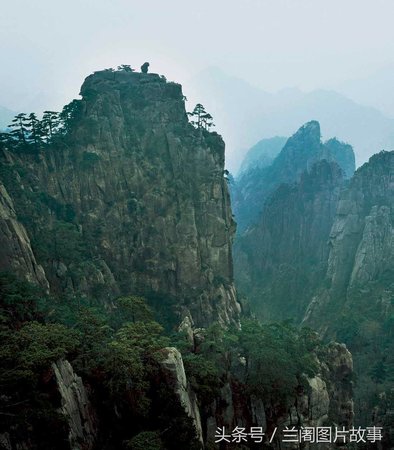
144	190
338	369
361	258
324	256
282	259
324	400
383	416
76	407
175	377
343	154
355	301
299	154
16	254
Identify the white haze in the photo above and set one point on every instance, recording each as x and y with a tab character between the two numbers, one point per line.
48	47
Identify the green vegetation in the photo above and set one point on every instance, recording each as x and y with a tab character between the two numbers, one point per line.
62	242
28	347
28	134
200	118
270	361
118	350
125	68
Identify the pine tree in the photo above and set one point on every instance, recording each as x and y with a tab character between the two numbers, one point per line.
20	128
34	128
50	124
207	121
200	118
68	115
125	68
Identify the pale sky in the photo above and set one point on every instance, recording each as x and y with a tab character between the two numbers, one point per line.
49	46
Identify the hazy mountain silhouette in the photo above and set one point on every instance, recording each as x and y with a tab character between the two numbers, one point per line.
6	115
245	114
374	90
263	153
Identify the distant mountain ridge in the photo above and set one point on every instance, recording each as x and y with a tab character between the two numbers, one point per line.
374	90
253	187
262	154
245	114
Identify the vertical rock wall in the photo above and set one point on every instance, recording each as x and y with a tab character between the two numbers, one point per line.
146	193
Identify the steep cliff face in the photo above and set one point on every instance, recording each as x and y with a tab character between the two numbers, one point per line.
282	259
324	256
326	398
300	153
355	302
360	263
343	154
136	196
174	374
16	253
76	406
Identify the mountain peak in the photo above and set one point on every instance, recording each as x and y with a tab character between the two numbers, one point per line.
311	129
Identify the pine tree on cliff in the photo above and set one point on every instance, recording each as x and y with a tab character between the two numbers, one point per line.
19	127
125	68
207	121
50	124
34	126
69	115
200	118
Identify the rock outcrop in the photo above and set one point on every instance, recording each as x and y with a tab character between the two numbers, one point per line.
282	259
300	153
343	154
324	400
16	254
76	407
175	377
142	191
132	199
361	258
338	371
383	416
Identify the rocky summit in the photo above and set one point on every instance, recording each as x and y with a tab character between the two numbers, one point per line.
136	192
301	151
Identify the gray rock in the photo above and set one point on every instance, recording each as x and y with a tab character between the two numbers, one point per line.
301	151
16	254
176	379
149	191
75	406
